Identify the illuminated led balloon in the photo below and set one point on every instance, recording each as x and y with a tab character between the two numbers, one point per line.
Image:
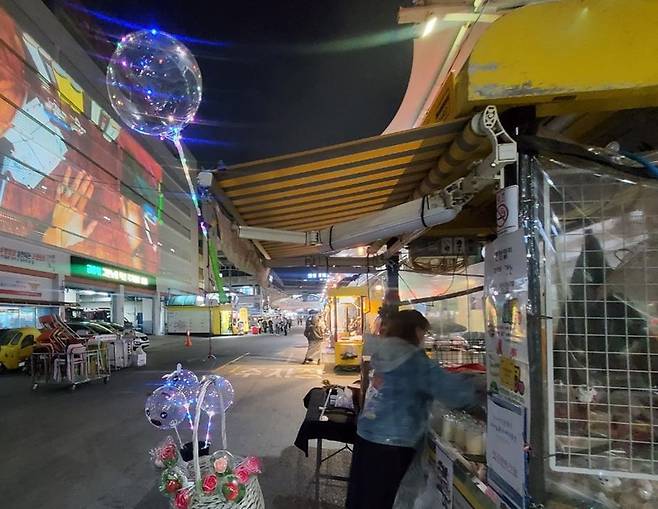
185	381
166	407
154	83
212	402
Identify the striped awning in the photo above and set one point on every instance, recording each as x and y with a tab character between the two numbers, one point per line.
314	189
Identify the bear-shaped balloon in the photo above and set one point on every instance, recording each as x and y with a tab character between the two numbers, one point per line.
166	407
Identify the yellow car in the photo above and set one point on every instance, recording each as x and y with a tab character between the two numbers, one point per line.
16	346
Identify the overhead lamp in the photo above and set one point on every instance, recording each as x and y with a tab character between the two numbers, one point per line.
430	25
205	179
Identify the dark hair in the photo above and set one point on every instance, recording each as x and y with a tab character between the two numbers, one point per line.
403	324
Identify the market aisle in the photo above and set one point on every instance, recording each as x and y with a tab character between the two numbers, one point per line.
89	448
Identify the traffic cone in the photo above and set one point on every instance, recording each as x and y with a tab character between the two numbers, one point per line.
188	339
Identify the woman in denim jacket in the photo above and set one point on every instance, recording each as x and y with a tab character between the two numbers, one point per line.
393	421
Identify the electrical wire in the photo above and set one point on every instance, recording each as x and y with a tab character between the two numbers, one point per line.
407	285
445	266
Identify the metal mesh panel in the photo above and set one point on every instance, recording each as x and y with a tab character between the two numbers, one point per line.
456	358
603	353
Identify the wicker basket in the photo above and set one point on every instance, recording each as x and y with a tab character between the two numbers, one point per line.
253	498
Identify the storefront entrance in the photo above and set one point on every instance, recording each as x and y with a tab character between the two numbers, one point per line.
139	311
89	304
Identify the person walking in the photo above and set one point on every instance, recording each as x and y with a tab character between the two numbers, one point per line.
393	421
314	335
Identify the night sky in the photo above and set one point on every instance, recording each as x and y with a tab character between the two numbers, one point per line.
279	76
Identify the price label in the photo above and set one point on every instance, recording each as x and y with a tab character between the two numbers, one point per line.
507	373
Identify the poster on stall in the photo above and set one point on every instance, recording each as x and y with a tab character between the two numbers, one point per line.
444	475
506	451
505	301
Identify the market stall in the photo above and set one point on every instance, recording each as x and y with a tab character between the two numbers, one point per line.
568	290
569	327
347	309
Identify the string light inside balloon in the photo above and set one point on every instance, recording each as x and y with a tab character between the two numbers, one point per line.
154	84
218	397
187	383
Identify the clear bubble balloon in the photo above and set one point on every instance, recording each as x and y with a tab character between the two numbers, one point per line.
166	407
218	393
154	83
185	381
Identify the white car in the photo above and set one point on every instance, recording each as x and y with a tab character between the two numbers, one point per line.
141	339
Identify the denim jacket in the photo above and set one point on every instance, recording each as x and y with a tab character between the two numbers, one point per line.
403	384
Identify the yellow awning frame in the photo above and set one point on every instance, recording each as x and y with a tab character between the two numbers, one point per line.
315	189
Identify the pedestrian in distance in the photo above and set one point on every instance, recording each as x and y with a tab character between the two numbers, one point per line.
313	333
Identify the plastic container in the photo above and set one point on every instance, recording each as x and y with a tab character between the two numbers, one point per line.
448	427
461	424
475	438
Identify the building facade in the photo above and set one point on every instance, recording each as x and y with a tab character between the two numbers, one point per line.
94	219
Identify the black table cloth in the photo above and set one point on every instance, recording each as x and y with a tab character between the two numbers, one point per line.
312	428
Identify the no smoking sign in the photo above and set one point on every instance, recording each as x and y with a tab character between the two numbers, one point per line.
507	209
502	213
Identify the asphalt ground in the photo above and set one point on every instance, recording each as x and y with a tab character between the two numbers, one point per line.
88	448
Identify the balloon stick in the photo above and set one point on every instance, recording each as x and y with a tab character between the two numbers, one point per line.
186	171
208	428
189	416
223	419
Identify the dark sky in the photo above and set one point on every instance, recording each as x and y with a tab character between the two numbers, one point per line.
293	75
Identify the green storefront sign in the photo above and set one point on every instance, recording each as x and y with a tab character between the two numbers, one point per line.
84	267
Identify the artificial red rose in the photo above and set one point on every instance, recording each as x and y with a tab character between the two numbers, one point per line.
182	499
242	474
252	465
172	486
209	483
168	452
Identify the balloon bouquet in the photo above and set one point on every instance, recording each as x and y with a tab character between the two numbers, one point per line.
191	476
154	84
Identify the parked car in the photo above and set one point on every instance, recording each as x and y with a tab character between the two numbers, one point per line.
16	346
85	329
144	342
